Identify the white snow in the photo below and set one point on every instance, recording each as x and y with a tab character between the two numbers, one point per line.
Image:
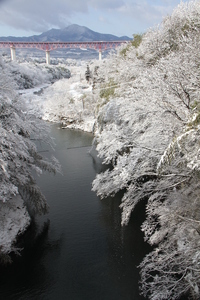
67	101
16	221
36	89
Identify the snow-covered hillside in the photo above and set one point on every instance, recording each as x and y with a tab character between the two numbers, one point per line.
70	102
32	74
148	129
18	153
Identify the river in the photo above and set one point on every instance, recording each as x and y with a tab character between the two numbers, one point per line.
78	251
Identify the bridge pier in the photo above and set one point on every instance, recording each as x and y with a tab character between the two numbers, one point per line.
100	54
47	57
13	53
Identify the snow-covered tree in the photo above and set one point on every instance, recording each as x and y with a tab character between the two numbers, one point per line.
18	160
147	132
29	75
70	101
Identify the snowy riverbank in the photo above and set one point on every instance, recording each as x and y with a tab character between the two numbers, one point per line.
68	101
14	219
19	159
58	94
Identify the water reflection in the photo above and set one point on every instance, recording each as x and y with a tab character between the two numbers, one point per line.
27	275
126	247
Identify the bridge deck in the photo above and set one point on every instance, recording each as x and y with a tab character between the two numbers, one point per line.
49	46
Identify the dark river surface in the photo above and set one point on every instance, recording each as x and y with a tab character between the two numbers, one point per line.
78	250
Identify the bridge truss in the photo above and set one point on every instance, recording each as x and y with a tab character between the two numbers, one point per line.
50	46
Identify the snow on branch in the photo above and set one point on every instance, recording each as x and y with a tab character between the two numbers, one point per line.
18	159
147	132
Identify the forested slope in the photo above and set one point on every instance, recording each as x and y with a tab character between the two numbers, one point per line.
148	131
19	158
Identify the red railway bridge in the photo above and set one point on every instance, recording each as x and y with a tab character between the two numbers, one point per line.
50	46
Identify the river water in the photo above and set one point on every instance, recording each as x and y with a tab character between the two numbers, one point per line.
78	251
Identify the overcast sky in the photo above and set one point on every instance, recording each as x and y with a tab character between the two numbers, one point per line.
118	17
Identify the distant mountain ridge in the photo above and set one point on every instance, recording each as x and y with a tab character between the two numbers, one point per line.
71	33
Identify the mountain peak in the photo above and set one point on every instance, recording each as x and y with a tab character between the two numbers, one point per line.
71	33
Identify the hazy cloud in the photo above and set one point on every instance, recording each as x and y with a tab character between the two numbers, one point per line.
106	4
149	12
41	15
